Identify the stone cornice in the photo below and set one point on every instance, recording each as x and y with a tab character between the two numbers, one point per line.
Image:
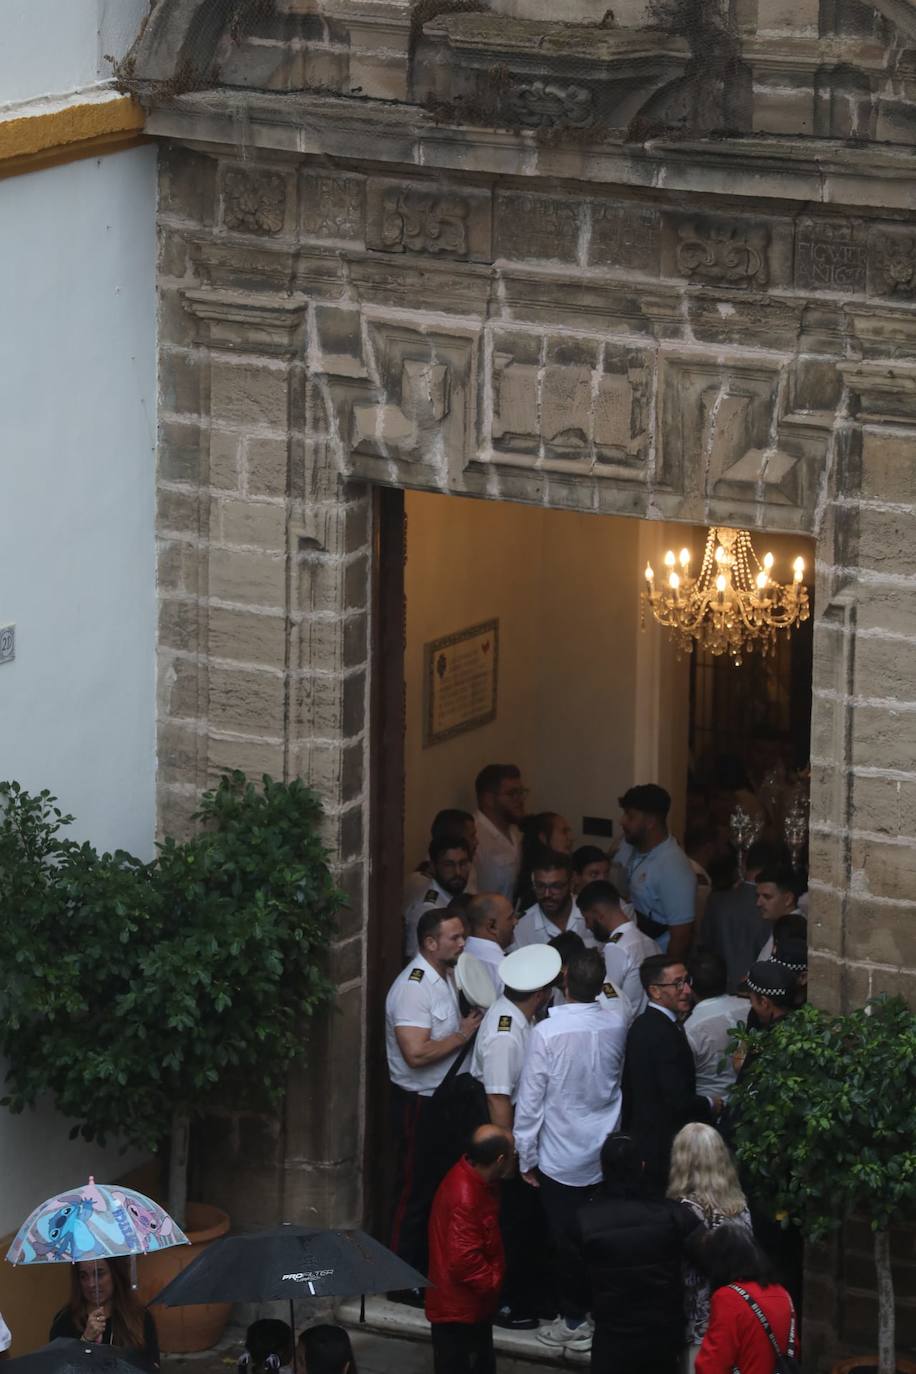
89	123
804	171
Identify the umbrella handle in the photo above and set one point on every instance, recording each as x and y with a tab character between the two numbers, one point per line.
362	1307
133	1272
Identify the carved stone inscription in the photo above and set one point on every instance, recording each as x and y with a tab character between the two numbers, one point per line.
625	236
421	218
537	227
254	202
830	255
333	207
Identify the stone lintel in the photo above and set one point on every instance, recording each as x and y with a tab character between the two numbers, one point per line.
298	126
261	323
882	392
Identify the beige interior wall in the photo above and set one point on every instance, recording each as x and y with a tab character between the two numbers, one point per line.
574	666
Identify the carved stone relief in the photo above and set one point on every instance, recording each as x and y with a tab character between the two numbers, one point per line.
254	202
892	264
419	218
723	253
550	105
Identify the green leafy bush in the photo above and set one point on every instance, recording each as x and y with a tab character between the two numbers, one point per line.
138	993
826	1125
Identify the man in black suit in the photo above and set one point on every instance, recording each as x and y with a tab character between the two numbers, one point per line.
659	1084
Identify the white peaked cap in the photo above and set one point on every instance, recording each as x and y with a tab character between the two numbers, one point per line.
530	968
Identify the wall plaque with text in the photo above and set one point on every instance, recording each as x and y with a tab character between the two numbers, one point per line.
461	674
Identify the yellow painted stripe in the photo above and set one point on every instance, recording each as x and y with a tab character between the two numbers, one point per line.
81	130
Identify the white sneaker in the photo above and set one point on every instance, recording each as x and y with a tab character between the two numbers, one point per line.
565	1337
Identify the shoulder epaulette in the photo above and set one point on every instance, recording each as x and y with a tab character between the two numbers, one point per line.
609	990
504	1023
416	975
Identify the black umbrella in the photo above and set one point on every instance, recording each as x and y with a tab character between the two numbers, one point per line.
65	1356
290	1262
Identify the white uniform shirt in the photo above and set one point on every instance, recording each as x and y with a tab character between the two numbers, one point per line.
537	929
637	945
498	859
708	1028
419	996
432	896
499	1050
490	955
622	976
569	1095
6	1338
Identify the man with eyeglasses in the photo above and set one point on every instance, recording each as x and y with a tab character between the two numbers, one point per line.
659	1079
500	808
555	909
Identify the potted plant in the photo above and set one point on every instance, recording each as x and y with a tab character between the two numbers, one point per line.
141	993
825	1125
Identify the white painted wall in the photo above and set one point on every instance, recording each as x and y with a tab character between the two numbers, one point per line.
51	47
77	416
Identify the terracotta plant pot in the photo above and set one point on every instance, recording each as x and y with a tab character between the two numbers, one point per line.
869	1362
183	1330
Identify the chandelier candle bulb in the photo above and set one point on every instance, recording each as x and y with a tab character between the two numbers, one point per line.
768	562
669	559
650	575
684	558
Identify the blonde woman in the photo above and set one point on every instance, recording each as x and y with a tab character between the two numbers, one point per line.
703	1179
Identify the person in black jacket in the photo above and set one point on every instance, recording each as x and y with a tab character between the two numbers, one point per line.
659	1081
104	1309
633	1247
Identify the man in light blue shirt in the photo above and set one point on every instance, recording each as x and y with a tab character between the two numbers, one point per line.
661	881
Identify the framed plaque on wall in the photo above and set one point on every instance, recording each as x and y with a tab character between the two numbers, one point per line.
461	674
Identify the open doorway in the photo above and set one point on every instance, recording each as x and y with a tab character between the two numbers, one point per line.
581	695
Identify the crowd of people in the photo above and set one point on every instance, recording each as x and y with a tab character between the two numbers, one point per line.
564	1163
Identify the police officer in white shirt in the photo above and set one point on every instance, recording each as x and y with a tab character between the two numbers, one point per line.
424	1031
500	808
492	921
623	943
569	1101
450	862
555	908
499	1053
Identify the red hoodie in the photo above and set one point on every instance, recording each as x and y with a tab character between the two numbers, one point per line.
466	1261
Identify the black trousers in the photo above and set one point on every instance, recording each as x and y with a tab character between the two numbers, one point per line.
528	1288
561	1203
611	1356
416	1182
463	1348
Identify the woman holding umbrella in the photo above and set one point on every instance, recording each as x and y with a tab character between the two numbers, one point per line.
104	1309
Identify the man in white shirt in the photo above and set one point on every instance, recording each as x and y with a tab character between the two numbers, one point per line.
590	865
778	891
555	908
450	864
424	1032
461	826
500	808
569	1101
499	1054
492	920
623	943
662	884
710	1024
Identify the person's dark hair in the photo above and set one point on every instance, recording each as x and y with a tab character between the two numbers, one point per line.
327	1350
652	970
566	944
544	859
488	1149
598	893
430	922
621	1166
585	975
443	843
723	871
784	878
126	1308
729	1254
588	854
490	778
708	973
793	926
451	821
268	1345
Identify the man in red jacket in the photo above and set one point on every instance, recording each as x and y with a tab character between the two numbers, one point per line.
466	1261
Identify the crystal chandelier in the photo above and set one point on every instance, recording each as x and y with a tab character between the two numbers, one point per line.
733	607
